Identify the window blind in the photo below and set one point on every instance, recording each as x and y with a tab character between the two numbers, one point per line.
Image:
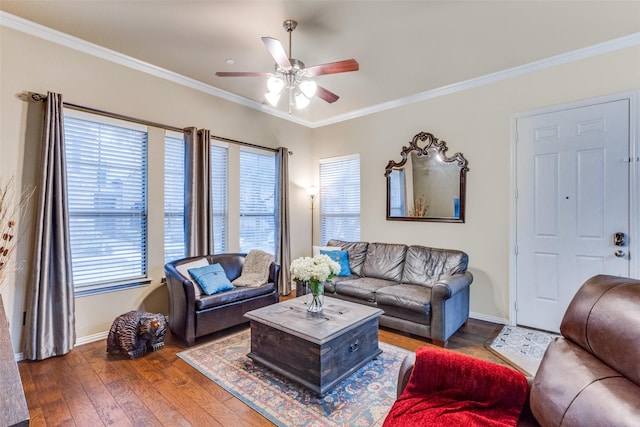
219	160
257	201
174	242
107	196
340	199
397	192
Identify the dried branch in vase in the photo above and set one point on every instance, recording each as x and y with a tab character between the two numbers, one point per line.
12	210
420	208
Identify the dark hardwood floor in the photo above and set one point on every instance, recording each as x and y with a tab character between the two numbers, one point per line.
89	388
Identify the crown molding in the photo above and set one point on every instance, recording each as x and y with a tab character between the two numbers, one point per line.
63	39
564	58
54	36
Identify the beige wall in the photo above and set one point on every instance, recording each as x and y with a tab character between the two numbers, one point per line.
31	64
476	122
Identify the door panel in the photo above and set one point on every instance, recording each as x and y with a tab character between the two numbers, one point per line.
573	195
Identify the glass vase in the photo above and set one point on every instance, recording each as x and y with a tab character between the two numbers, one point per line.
315	296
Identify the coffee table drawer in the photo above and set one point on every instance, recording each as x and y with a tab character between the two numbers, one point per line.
317	366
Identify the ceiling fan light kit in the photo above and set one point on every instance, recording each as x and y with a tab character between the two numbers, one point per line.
292	75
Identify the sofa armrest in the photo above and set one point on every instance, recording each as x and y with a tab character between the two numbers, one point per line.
405	372
182	304
449	306
448	286
274	275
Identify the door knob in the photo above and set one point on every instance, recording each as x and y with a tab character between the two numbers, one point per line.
619	253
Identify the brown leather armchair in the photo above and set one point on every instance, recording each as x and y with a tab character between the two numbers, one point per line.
591	375
192	315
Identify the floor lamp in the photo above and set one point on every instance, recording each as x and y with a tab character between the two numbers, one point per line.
312	191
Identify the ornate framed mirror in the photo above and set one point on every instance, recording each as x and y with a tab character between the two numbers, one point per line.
426	185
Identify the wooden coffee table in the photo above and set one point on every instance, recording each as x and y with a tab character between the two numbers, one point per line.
317	350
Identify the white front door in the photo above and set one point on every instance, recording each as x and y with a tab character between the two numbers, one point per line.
572	198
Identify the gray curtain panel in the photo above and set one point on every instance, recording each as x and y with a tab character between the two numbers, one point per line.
283	250
198	210
50	321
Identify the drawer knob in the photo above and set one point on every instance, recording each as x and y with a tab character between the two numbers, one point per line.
354	347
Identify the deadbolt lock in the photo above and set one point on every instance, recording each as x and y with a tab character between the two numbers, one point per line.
620	239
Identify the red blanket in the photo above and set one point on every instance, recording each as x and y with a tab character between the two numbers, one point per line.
452	389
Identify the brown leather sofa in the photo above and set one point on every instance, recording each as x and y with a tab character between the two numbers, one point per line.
192	314
423	291
591	375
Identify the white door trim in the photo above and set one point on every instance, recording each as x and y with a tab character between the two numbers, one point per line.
634	185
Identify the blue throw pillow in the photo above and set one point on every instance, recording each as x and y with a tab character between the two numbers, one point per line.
342	258
212	278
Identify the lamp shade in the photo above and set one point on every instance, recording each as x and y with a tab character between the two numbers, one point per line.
272	98
275	85
308	87
301	101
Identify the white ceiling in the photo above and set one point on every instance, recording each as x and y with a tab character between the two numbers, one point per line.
404	47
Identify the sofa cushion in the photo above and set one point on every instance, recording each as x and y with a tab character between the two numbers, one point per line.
362	288
357	253
415	298
330	285
316	249
342	258
385	261
184	270
425	266
255	271
211	278
240	293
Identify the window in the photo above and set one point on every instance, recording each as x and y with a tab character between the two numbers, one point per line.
218	162
257	201
174	245
340	199
397	192
107	191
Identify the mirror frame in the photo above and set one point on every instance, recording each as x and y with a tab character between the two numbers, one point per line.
440	148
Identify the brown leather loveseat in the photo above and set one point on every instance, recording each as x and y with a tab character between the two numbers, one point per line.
591	375
193	314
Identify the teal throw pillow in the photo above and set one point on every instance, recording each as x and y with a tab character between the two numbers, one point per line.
342	258
212	278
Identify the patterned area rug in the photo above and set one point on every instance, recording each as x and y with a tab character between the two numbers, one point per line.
363	399
523	347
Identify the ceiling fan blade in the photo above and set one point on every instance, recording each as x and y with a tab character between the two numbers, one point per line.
242	74
333	67
327	95
277	51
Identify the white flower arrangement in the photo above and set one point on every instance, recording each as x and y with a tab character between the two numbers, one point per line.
320	268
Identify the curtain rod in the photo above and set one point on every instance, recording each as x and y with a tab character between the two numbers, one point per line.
42	98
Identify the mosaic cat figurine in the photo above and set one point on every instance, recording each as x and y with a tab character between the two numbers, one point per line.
134	331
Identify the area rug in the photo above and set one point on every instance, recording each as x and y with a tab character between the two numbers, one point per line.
523	347
363	399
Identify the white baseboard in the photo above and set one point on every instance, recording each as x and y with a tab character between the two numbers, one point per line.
79	341
487	318
92	338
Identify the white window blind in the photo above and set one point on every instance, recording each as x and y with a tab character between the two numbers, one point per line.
174	244
107	196
257	201
219	160
397	191
340	199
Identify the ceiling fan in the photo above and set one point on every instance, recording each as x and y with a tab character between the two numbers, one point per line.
292	75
